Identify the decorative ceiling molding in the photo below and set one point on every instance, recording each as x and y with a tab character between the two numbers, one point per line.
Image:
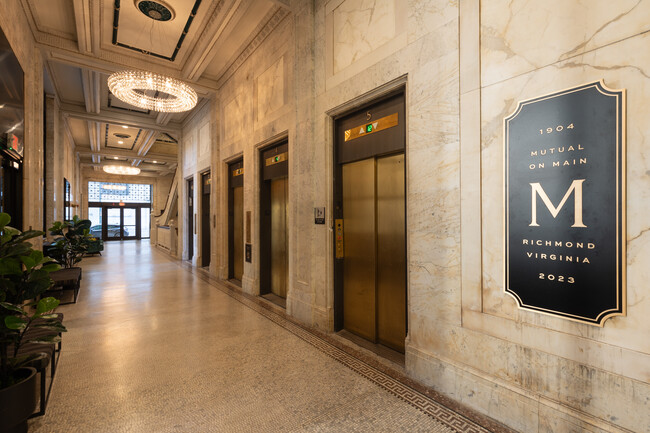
37	27
91	90
109	102
282	3
108	62
255	40
82	17
95	143
107	146
204	48
179	44
145	146
79	112
126	154
163	118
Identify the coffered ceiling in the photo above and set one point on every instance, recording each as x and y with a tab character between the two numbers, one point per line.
84	41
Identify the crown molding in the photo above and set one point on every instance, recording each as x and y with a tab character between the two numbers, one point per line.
275	17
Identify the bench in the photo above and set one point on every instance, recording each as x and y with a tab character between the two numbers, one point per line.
66	279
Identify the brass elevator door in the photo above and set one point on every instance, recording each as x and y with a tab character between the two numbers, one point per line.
279	264
238	232
359	248
391	252
374	267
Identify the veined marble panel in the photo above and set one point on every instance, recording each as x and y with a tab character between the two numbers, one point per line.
189	147
518	36
233	117
622	65
270	90
360	27
204	140
424	16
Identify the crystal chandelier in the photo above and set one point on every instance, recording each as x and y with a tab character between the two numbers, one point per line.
121	169
152	91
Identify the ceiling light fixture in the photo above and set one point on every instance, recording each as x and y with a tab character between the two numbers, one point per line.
152	91
115	157
125	127
121	169
120	142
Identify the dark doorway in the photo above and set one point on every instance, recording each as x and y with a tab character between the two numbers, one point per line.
206	183
236	220
370	223
190	219
11	188
12	126
274	196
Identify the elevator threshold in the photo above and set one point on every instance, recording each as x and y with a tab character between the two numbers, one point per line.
378	349
235	281
282	302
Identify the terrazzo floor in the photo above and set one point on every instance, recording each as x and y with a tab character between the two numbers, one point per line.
152	347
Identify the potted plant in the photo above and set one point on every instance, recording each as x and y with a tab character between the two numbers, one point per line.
72	242
24	276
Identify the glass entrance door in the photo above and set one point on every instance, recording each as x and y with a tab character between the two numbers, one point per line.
121	223
129	223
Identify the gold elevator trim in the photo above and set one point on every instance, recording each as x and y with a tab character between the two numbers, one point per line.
276	159
372	127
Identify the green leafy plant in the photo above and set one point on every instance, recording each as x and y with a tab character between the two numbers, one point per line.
24	276
72	242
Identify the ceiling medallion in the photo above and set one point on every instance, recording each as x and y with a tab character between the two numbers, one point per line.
152	91
124	136
121	169
156	10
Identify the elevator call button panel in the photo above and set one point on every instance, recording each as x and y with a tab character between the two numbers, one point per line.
338	231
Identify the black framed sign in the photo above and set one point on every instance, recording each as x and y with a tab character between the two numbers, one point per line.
565	203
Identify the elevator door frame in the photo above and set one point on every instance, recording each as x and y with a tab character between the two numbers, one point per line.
267	175
190	218
377	145
206	228
235	254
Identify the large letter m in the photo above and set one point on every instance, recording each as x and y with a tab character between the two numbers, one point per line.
576	186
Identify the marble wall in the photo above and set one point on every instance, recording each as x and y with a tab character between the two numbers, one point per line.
195	156
256	107
463	64
581	43
16	28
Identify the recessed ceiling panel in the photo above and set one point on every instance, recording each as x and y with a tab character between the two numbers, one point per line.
118	137
155	28
67	81
115	102
56	18
79	130
161	148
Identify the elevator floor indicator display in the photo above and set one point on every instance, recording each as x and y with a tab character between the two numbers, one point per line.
372	127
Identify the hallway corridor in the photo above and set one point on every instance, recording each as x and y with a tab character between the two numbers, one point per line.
152	347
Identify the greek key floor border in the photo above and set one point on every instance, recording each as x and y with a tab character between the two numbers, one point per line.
450	418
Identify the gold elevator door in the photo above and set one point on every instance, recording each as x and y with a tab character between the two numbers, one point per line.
238	232
279	264
374	236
